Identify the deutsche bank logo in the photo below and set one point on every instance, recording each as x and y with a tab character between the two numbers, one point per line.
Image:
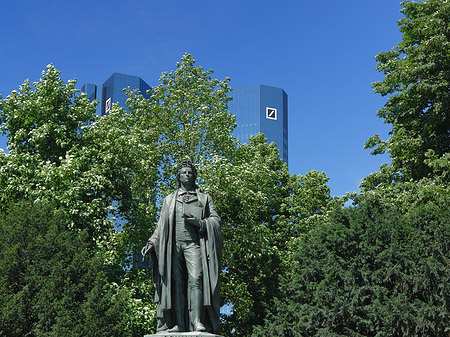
271	113
108	105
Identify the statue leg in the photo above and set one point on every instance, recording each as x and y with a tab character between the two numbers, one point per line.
164	319
193	259
179	295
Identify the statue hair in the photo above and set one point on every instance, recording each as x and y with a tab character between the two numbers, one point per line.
186	163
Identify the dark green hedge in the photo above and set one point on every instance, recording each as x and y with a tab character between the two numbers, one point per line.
379	268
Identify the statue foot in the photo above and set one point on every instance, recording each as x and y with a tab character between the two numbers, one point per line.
200	327
177	328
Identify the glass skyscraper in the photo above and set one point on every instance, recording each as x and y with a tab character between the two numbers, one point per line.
91	90
257	107
261	108
112	90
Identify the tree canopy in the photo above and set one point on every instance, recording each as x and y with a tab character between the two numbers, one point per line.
52	283
188	113
379	268
263	207
45	120
91	169
85	170
417	84
54	156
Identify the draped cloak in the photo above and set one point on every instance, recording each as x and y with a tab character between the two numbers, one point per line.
211	249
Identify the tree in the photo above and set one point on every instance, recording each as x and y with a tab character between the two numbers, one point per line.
261	212
60	153
379	268
51	281
263	208
417	83
188	112
123	165
261	204
45	121
120	164
186	117
48	160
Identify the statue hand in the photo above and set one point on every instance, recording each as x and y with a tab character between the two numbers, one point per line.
192	220
147	249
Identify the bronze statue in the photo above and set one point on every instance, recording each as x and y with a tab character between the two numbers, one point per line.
185	249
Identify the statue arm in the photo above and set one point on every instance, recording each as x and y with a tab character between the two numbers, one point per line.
212	209
211	214
149	247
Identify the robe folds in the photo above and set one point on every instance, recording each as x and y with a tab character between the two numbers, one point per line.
211	243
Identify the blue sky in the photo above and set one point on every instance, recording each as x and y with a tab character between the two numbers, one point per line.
320	52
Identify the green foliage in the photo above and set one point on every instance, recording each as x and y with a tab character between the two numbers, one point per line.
379	268
186	117
59	152
52	158
45	121
121	158
262	207
417	83
188	112
137	289
51	282
90	177
123	165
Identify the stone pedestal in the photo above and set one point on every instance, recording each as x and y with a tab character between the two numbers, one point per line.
183	334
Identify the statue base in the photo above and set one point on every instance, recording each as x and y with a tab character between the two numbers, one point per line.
183	334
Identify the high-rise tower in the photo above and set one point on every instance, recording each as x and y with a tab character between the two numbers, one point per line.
112	90
261	108
91	90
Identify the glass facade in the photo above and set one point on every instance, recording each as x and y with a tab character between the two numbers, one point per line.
112	90
261	108
257	107
91	90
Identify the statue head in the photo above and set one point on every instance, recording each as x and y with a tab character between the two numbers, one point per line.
186	163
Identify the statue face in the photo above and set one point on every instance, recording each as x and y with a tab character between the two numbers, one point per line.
186	176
